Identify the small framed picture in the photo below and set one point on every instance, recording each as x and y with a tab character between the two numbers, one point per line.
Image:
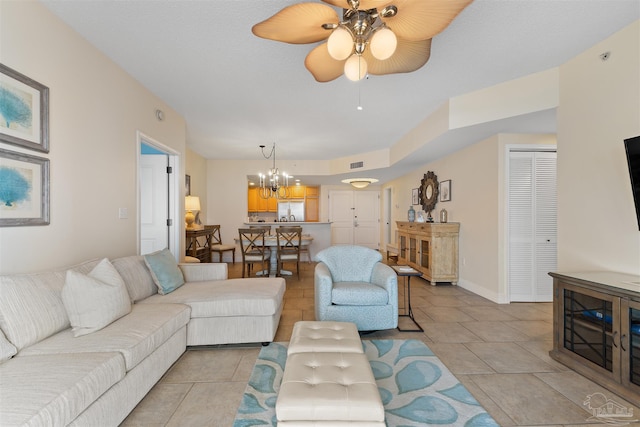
445	191
187	185
24	189
24	111
414	197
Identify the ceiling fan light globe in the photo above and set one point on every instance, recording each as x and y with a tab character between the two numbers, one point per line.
383	44
355	68
340	44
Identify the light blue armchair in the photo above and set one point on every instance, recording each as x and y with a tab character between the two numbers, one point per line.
352	285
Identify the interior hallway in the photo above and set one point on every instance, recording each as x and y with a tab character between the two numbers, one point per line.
499	352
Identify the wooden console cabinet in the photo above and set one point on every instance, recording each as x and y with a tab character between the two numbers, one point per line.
196	248
431	248
596	328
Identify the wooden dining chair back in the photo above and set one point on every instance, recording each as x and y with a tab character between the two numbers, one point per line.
217	246
289	240
253	248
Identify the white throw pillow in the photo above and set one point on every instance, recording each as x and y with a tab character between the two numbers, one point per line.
95	300
7	350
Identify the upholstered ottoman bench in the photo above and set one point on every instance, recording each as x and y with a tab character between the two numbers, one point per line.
327	379
315	336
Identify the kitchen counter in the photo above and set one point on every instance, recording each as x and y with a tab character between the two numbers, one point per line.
320	231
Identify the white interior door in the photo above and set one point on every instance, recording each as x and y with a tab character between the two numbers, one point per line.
367	219
532	213
355	217
341	216
154	199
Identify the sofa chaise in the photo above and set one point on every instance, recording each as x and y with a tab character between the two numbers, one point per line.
50	376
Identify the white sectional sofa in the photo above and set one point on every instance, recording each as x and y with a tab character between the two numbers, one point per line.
50	377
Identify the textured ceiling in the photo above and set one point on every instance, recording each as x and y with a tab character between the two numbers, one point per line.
237	91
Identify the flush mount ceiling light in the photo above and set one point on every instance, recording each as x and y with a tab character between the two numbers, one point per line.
373	37
359	182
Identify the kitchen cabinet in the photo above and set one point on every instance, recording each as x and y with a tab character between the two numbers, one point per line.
312	192
296	192
431	248
312	204
252	200
596	328
256	203
311	196
312	210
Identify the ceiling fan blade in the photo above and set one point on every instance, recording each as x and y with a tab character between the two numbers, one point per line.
423	19
323	67
298	24
364	4
408	57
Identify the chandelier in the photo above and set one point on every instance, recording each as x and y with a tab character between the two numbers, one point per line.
373	37
273	184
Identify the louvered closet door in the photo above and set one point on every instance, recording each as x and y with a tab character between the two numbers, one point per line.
532	225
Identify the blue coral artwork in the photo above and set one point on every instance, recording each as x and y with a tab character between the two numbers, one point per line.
15	187
16	109
24	111
24	189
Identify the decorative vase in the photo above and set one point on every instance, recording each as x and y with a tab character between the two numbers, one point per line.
443	215
411	214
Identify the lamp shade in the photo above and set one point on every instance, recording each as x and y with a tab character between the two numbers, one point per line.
340	44
192	203
383	43
355	68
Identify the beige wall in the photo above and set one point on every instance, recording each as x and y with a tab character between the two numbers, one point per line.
477	203
96	110
196	168
599	108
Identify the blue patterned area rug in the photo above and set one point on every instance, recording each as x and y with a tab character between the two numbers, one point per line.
415	386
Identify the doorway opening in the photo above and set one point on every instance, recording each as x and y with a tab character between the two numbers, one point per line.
158	197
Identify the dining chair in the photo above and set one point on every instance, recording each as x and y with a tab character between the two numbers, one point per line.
217	246
253	248
266	227
289	240
304	249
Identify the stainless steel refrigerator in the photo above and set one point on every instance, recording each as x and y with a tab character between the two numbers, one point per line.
291	210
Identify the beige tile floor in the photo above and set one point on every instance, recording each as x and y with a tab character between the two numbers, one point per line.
499	352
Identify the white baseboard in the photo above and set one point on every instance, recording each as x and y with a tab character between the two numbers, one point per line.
482	291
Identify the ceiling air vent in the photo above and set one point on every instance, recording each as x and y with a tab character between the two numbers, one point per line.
356	165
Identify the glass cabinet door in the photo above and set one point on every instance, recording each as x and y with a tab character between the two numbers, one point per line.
631	328
412	249
588	327
425	253
403	246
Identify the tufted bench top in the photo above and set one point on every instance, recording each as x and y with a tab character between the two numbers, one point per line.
329	388
309	336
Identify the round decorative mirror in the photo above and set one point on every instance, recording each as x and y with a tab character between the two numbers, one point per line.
428	192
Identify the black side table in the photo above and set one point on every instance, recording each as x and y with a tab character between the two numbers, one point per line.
406	271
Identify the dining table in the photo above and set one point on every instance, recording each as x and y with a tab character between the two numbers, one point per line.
271	241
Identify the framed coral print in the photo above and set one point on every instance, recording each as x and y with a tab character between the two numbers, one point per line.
414	197
445	191
24	111
24	189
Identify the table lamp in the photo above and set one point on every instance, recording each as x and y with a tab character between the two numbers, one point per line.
191	203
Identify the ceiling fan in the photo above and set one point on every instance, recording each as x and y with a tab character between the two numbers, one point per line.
373	37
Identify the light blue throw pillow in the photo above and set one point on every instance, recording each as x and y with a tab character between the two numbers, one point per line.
165	271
